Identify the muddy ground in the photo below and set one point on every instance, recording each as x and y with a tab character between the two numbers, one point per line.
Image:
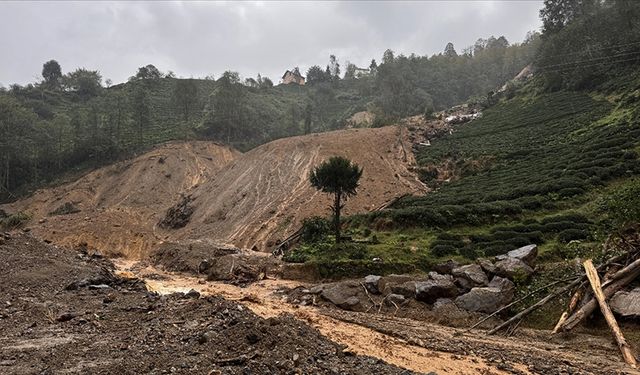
64	312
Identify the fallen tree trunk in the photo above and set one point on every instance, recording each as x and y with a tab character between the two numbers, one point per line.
518	301
536	305
594	279
617	281
577	296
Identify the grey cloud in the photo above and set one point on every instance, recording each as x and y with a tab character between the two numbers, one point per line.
203	38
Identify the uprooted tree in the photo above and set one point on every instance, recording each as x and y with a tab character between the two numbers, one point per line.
337	176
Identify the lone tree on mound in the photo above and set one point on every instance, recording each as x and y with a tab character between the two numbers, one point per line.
337	176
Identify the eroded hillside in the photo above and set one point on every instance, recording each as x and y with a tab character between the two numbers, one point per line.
116	208
247	200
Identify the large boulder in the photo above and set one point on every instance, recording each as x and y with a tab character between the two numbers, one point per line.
345	295
527	254
513	268
626	303
371	283
446	267
398	284
393	279
472	273
499	293
408	289
431	290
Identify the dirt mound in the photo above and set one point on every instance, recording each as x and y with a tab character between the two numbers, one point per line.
117	208
121	328
263	196
201	190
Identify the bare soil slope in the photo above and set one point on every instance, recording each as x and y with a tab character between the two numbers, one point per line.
118	207
263	196
247	200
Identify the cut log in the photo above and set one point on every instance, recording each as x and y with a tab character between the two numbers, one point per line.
610	287
573	303
594	279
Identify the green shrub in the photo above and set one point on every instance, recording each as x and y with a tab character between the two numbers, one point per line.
315	229
623	204
569	235
15	220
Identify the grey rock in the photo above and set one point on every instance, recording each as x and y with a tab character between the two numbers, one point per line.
371	283
527	254
437	276
626	303
499	293
344	295
431	290
393	279
406	289
513	268
192	294
472	273
317	289
487	266
446	267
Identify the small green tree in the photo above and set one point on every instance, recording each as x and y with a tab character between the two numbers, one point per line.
52	73
337	176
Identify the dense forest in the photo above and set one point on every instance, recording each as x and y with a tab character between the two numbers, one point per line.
74	121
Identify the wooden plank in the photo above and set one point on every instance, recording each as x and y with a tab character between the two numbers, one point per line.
594	279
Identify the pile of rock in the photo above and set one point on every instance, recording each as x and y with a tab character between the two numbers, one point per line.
484	286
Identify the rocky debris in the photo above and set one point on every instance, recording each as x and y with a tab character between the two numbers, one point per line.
470	276
238	269
179	215
457	288
371	283
446	267
190	256
626	304
488	299
431	290
346	295
487	266
528	254
406	289
513	268
398	284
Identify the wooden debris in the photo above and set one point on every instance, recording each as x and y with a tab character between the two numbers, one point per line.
536	305
577	296
594	279
610	287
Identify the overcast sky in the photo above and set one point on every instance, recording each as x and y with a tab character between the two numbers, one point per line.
196	39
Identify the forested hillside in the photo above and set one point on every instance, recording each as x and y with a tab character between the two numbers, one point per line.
554	162
72	122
